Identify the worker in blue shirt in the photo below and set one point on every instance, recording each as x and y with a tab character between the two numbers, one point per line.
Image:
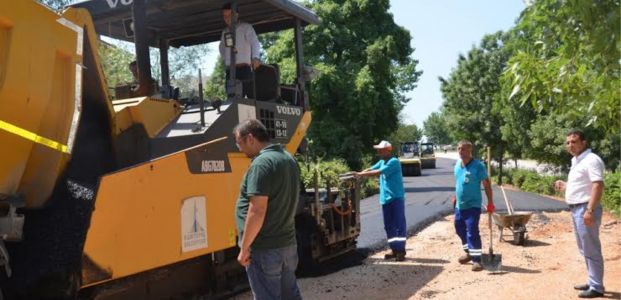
469	174
388	168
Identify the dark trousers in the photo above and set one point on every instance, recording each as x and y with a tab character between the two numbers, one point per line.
394	224
467	228
245	75
271	273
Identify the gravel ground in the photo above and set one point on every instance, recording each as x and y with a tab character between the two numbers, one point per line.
545	268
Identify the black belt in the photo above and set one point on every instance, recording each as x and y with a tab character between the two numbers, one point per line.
572	206
240	65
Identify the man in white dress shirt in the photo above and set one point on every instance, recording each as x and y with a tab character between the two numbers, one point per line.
247	51
583	191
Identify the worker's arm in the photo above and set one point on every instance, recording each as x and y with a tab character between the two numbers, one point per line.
369	173
254	221
488	192
372	171
255	47
222	46
596	176
487	186
597	189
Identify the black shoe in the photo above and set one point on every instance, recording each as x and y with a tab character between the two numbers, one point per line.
390	255
400	256
581	287
590	293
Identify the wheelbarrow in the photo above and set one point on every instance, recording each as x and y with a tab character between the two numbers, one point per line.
513	220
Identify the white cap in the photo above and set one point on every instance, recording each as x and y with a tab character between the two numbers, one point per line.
383	145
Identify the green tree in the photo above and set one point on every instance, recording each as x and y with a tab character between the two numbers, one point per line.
569	60
114	62
365	66
185	61
471	95
564	73
435	128
405	133
215	87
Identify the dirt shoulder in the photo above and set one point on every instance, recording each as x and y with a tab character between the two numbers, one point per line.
545	268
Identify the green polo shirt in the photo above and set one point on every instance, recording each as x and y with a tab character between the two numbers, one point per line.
275	174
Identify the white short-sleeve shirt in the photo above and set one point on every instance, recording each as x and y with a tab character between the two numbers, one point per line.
586	168
247	45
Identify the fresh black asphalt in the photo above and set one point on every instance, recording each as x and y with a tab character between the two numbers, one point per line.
427	198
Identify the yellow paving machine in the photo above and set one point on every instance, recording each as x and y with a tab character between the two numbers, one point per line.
134	197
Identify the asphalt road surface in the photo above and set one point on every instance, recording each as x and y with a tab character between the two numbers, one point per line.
427	198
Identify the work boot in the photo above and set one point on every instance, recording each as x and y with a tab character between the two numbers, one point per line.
400	256
476	266
464	259
390	255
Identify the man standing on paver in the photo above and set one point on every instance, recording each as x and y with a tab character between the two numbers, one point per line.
469	174
388	168
583	190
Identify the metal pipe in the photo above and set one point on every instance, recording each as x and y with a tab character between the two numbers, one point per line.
141	42
164	62
232	80
299	59
200	97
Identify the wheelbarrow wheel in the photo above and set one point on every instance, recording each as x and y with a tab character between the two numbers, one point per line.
518	237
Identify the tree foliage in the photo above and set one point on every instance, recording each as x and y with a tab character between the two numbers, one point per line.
471	94
435	128
114	62
564	73
561	71
365	66
215	87
405	133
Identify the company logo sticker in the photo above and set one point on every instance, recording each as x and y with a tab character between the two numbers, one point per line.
193	224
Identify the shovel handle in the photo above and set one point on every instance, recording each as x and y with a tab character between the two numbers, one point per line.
507	203
491	238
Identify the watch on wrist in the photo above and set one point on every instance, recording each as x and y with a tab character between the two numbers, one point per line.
589	210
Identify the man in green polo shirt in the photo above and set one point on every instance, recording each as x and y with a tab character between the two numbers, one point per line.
265	214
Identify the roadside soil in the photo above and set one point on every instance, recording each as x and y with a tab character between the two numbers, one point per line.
546	267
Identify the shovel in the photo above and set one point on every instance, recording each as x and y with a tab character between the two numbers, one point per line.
507	203
491	262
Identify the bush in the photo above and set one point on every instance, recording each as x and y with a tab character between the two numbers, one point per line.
369	187
612	193
507	174
518	177
328	172
530	183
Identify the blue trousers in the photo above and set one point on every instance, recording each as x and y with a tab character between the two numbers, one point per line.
271	273
467	228
394	224
589	244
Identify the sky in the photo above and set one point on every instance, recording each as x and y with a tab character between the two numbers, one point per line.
440	30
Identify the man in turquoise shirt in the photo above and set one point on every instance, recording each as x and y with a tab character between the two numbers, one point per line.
388	168
469	174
